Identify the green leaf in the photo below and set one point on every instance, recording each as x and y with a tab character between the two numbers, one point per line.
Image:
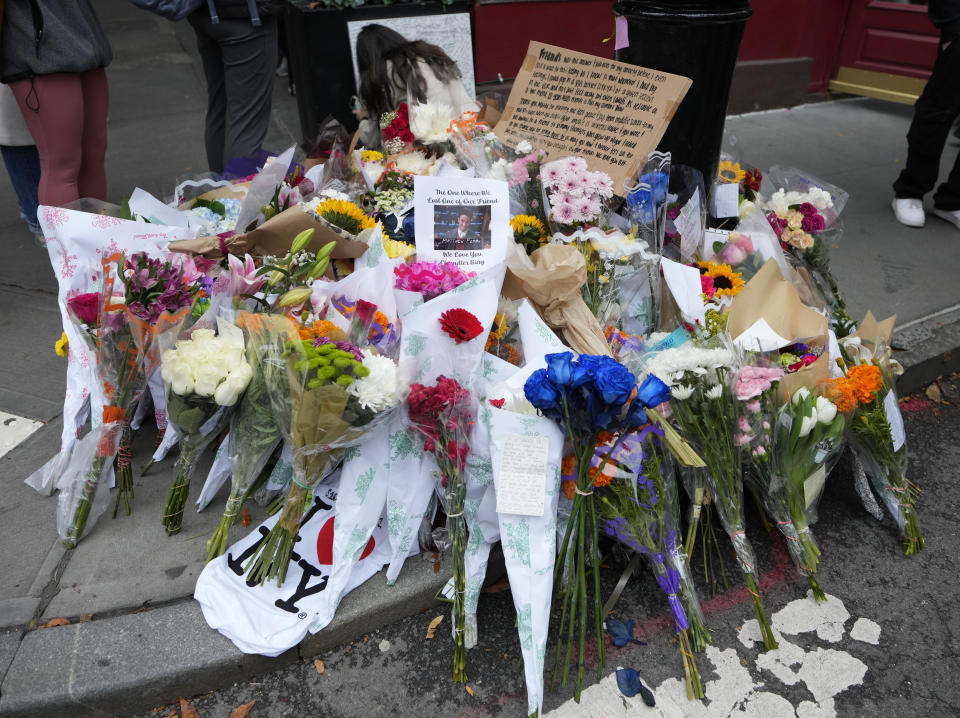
211	204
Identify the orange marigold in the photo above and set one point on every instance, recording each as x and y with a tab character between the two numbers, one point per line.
600	479
569	488
604	437
842	392
866	381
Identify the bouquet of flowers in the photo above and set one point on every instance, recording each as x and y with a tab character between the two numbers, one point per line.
526	187
253	429
430	279
576	194
395	128
707	411
529	232
119	358
444	413
641	511
159	296
205	375
333	395
876	433
587	396
804	213
503	341
789	444
646	202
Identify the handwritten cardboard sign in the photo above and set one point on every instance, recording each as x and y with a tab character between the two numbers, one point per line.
610	113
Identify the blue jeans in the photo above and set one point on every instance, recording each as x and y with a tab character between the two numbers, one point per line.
23	166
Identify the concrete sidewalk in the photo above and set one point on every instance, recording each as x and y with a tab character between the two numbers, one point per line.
116	655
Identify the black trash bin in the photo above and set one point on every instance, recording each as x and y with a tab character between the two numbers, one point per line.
698	39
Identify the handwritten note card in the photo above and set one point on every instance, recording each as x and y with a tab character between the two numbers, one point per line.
522	487
611	113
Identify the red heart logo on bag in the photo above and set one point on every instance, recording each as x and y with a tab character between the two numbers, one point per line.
325	544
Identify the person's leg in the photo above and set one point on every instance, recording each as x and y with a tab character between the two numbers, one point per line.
212	59
52	106
92	179
249	60
23	166
934	113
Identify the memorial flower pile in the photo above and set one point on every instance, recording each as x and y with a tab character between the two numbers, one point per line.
350	372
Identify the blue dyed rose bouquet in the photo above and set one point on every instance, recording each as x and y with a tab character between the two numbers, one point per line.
586	396
641	511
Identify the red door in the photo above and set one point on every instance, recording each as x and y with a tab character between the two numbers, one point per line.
887	49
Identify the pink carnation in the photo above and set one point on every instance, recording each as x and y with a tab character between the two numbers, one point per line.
431	279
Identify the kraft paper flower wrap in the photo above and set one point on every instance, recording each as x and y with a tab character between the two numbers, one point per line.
272	238
552	277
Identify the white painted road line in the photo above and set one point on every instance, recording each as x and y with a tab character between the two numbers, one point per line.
14	429
746	691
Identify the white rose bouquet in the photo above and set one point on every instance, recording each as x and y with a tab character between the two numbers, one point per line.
204	376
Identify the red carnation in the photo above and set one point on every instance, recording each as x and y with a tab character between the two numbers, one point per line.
85	307
461	325
497	403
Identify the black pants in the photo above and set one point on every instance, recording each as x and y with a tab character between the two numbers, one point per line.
933	116
239	61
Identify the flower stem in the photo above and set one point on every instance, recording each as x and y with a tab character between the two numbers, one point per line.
218	541
82	511
124	471
766	630
273	557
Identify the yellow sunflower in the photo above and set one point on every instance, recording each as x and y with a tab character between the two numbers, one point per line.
730	173
345	215
528	231
726	282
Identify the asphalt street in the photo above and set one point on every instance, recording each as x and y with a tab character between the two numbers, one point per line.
885	643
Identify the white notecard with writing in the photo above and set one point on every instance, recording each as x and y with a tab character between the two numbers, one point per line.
522	487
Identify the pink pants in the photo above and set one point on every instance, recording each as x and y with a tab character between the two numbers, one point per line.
67	116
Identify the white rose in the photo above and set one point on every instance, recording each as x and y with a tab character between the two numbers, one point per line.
524	147
206	379
826	410
181	380
227	394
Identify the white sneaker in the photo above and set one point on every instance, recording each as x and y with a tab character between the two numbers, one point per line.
952	217
910	212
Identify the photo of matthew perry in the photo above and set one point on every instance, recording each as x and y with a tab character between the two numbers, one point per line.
461	227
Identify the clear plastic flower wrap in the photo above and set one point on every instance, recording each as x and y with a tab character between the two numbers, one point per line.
640	509
205	376
444	413
686	214
792	436
646	201
334	394
877	435
750	245
118	370
253	429
704	404
804	213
